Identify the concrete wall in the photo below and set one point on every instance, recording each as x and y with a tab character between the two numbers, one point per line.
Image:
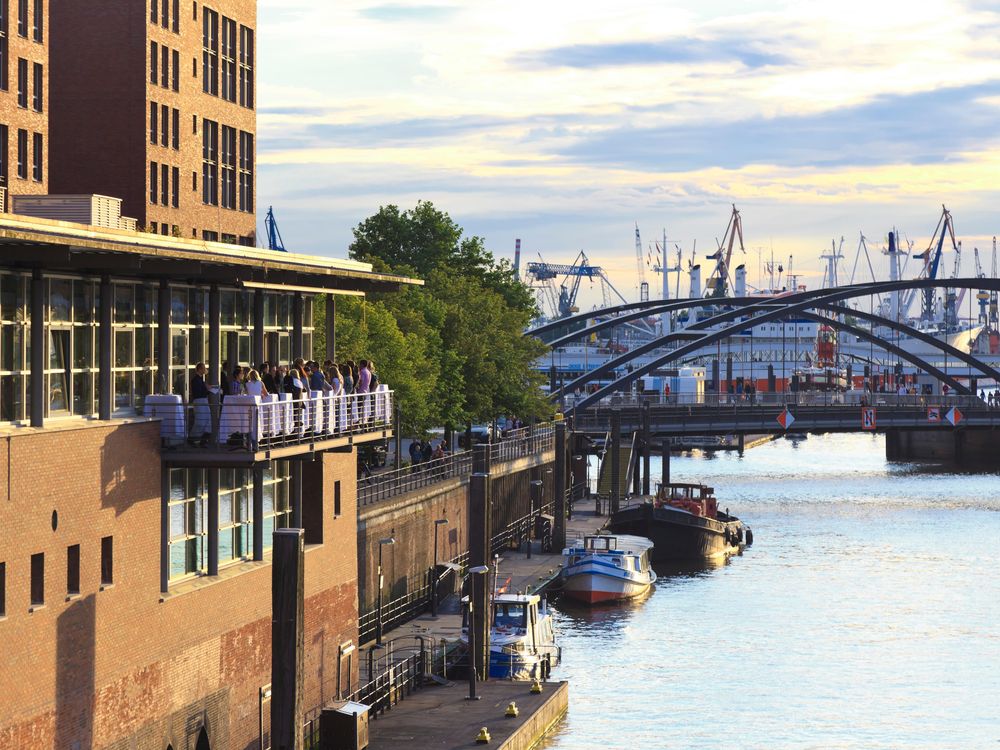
958	446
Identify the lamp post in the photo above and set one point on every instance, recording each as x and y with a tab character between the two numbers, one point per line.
434	576
479	570
378	615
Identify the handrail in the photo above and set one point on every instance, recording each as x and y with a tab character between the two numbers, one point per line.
788	398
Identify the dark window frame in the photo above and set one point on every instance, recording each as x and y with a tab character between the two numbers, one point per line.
37	87
154	176
37	157
73	570
107	561
38	579
22	83
38	22
22	153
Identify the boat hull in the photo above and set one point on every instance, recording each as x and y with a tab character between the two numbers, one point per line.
678	535
596	588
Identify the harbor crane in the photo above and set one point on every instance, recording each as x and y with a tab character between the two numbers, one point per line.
643	284
719	282
274	240
561	298
932	262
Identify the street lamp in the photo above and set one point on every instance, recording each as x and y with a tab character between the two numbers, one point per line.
378	616
479	570
434	576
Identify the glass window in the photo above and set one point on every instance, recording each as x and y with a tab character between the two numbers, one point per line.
179	306
83	301
123	348
83	337
59	366
60	300
124	304
83	404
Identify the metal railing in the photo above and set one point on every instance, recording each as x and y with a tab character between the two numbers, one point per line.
515	444
396	611
262	423
801	398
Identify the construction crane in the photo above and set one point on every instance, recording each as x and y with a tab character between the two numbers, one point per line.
718	282
830	275
932	261
660	266
643	284
982	296
561	300
274	241
993	294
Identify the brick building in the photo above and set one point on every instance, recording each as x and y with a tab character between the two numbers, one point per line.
135	576
154	103
24	98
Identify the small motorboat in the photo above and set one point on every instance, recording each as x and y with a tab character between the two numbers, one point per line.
607	568
522	638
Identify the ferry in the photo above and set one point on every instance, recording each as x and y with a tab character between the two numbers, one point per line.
522	638
685	523
607	568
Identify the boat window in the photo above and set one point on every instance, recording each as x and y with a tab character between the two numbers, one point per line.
509	615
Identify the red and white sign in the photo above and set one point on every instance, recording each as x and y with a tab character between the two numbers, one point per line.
868	421
954	416
785	419
934	414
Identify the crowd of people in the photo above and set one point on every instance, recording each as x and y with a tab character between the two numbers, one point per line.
425	451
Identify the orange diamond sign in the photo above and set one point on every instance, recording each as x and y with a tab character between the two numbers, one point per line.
785	419
954	416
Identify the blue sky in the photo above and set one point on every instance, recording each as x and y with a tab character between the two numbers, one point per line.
565	123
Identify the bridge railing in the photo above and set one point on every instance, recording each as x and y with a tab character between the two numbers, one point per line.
802	398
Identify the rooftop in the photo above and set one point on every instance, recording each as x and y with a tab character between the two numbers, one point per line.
56	246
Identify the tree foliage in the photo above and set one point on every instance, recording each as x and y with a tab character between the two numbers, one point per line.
453	349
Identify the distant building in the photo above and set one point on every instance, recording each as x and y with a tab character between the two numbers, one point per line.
154	102
24	98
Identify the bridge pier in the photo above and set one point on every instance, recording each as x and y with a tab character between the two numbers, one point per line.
616	460
962	446
645	448
729	372
741	443
715	377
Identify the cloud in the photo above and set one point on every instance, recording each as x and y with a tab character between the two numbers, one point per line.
673	51
396	12
922	128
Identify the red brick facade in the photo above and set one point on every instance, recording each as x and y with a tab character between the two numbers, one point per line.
105	57
24	105
121	666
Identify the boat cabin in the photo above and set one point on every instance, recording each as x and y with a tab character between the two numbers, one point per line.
698	499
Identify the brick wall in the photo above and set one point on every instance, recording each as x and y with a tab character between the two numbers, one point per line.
119	667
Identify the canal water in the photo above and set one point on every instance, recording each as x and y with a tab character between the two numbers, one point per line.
866	615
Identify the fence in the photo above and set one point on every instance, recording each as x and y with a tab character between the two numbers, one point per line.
800	398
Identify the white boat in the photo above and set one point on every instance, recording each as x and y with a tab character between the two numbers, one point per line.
522	638
607	568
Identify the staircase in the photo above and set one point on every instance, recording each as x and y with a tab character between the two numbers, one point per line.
627	456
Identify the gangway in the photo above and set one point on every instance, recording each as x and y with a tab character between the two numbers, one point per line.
626	462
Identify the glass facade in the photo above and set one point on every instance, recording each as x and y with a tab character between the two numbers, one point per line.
188	506
72	336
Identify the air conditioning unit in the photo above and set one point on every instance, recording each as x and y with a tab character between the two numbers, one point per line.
344	726
3	199
92	210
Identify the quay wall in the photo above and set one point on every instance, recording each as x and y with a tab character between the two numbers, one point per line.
409	519
120	665
958	446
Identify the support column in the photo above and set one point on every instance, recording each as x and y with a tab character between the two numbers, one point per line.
105	351
729	373
772	382
163	384
741	442
715	377
481	458
287	639
258	513
37	377
258	328
559	483
214	336
637	466
213	522
665	453
646	438
164	528
331	327
479	554
297	326
397	437
296	491
616	459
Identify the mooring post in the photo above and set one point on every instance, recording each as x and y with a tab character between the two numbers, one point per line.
665	451
742	438
646	448
559	488
287	638
616	459
479	555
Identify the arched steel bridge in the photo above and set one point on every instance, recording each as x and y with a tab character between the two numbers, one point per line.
752	312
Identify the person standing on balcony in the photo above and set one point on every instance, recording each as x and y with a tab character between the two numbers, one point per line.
364	377
267	377
335	378
201	427
255	386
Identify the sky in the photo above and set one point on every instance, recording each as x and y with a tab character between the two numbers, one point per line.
566	124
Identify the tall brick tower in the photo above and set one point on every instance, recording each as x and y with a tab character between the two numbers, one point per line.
24	99
154	103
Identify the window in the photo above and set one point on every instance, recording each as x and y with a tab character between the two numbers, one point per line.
4	144
194	124
164	67
38	153
154	61
228	167
154	11
3	589
164	125
246	172
154	119
22	83
38	579
176	78
3	44
22	154
228	59
194	181
22	18
336	498
38	88
210	52
164	185
175	198
177	130
176	25
73	570
165	13
154	172
209	236
246	67
38	19
210	163
107	561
